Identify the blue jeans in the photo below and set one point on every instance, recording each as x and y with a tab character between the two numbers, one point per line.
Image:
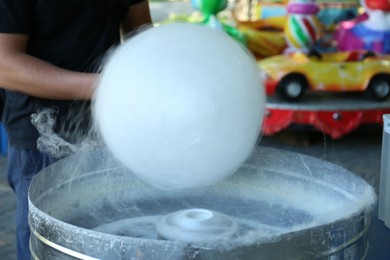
23	165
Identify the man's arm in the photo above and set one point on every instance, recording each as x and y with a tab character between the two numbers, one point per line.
137	16
24	73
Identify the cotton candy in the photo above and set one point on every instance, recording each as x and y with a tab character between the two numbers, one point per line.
180	105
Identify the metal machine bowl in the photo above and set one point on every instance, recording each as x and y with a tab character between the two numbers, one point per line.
278	205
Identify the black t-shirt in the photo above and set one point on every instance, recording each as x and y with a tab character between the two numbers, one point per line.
72	34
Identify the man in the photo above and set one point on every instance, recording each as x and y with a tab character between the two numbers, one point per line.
50	51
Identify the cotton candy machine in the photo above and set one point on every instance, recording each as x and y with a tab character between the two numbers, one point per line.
279	205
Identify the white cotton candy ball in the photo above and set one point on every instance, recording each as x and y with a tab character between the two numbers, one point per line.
180	105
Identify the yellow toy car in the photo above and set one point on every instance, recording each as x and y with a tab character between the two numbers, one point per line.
290	75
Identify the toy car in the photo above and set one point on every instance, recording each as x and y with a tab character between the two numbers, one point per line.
290	75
